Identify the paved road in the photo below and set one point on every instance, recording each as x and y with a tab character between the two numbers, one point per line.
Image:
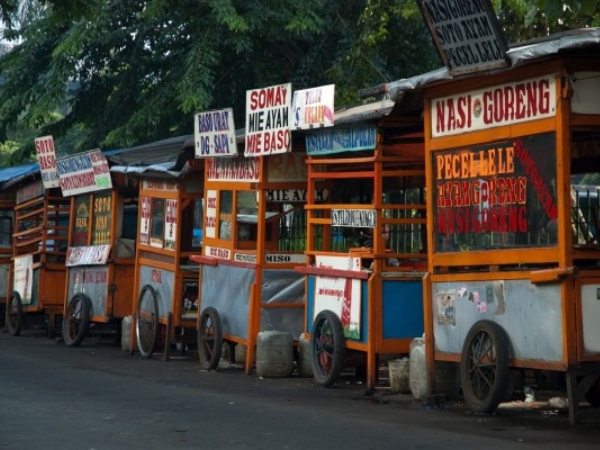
99	397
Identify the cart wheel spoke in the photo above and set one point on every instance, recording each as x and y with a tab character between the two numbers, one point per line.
146	324
484	366
15	316
210	339
76	322
328	348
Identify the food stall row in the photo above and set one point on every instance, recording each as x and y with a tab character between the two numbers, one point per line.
465	207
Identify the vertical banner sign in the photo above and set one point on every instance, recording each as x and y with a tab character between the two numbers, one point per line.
84	172
170	224
46	155
210	217
340	295
102	222
467	34
214	134
23	281
313	108
268	120
145	220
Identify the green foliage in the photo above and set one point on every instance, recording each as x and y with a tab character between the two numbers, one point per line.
143	67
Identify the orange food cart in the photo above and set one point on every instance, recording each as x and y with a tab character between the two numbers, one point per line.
7	204
366	242
254	235
254	232
37	270
101	253
165	307
512	162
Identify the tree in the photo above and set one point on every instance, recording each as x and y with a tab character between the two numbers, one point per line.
139	69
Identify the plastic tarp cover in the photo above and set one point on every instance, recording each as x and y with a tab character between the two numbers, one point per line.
287	287
227	289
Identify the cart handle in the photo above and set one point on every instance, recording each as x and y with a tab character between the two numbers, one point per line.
550	275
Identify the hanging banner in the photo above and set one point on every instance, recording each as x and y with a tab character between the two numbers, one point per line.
341	139
214	134
268	120
46	155
84	172
23	277
313	108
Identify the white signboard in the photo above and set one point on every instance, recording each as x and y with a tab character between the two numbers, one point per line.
88	255
340	295
84	172
146	209
244	257
214	134
46	155
313	108
171	224
23	277
210	215
217	252
285	258
233	169
268	120
357	218
506	104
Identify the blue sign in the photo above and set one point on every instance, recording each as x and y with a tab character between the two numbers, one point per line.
343	139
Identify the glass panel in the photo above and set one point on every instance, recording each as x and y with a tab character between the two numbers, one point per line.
157	222
6	222
496	196
82	221
225	212
102	216
197	221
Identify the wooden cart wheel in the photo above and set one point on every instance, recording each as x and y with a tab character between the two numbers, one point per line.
328	348
146	323
14	313
210	339
76	323
484	371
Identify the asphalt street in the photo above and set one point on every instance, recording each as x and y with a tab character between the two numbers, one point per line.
98	397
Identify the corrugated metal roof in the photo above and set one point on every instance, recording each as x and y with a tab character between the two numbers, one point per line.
569	41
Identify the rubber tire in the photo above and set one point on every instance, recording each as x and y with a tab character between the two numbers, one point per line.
210	339
74	330
147	348
14	326
328	348
484	398
592	396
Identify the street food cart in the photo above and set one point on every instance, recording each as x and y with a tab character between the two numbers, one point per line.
7	204
101	253
254	232
254	235
512	162
37	270
165	282
366	241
